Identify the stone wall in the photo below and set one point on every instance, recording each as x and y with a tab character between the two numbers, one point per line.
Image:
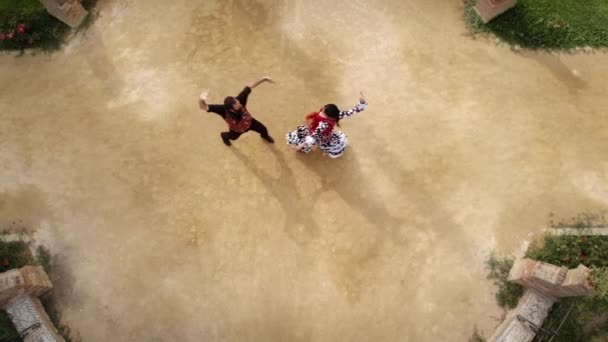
556	281
19	289
544	284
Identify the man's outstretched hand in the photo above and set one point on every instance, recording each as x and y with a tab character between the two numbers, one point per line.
204	95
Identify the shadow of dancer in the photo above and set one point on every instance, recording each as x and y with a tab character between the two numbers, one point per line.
102	65
569	77
433	216
299	222
343	176
354	265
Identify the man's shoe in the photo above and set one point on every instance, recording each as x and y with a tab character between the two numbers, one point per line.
225	139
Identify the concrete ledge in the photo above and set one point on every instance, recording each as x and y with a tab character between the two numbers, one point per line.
31	320
578	231
533	308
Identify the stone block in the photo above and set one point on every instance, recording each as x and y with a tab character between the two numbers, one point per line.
37	282
70	12
575	284
490	9
538	275
27	280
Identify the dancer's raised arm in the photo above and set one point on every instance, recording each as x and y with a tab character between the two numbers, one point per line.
358	108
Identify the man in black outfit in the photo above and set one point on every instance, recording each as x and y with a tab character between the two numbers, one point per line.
236	115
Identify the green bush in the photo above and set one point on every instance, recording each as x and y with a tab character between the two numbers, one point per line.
14	254
508	294
599	280
570	251
43	257
26	23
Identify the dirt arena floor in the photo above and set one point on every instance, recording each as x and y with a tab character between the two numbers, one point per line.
162	233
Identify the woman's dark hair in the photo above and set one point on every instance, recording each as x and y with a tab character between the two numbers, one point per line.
332	111
228	103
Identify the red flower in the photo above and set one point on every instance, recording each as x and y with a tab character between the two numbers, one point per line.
21	28
2	37
582	257
30	41
10	35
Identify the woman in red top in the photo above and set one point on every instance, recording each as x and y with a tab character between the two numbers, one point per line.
319	130
236	115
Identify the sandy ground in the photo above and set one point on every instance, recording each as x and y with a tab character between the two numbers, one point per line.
162	233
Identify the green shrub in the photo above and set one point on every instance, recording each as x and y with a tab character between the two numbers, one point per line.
26	23
570	251
14	254
43	257
508	294
599	280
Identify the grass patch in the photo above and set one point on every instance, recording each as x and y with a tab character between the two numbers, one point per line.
548	24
